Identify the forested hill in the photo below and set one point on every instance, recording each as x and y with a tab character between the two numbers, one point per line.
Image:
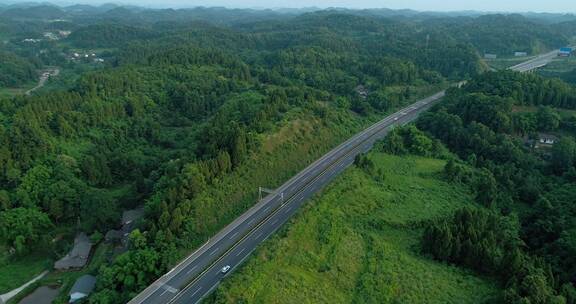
108	35
496	125
504	34
187	118
15	69
176	121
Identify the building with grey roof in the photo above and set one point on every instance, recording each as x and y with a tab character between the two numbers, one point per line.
82	288
78	256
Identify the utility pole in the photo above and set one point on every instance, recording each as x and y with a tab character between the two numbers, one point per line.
265	190
269	191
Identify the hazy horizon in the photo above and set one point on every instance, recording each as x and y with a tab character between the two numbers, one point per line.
560	6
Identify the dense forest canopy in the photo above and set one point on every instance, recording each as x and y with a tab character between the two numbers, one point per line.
504	34
15	69
107	35
526	239
175	110
161	108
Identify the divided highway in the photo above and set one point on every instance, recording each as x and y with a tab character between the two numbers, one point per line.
195	276
535	63
200	272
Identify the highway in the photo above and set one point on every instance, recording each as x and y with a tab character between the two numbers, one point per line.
536	62
198	274
201	270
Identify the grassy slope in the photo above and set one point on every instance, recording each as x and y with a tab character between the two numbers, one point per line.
505	62
357	243
564	113
11	92
560	65
15	273
299	140
562	68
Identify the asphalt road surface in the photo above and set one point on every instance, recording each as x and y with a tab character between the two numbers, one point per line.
536	62
198	274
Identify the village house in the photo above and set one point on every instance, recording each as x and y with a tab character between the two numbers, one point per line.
79	255
362	91
547	139
128	224
82	288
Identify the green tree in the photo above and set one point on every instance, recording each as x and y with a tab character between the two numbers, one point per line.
547	119
394	143
5	202
137	239
31	189
563	155
239	149
24	228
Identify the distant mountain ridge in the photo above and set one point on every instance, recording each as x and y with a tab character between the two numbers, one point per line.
383	12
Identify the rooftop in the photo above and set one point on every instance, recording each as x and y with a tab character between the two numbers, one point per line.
131	215
82	287
78	256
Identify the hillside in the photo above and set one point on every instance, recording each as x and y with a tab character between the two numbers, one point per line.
185	113
503	209
358	242
187	125
504	34
15	70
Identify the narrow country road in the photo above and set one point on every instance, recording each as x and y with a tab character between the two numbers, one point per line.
43	78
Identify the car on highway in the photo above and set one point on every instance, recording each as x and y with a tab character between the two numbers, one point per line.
225	269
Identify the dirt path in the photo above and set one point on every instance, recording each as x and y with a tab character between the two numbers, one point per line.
43	78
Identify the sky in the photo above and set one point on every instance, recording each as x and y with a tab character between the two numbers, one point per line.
427	5
556	6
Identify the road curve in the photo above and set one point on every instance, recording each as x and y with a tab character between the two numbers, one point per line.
199	273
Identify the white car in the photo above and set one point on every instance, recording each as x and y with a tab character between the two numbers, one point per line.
225	269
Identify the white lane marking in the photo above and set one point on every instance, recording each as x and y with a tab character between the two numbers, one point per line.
235	234
213	252
195	292
240	252
165	291
302	197
170	288
288	210
191	269
342	165
274	222
258	236
266	209
251	221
